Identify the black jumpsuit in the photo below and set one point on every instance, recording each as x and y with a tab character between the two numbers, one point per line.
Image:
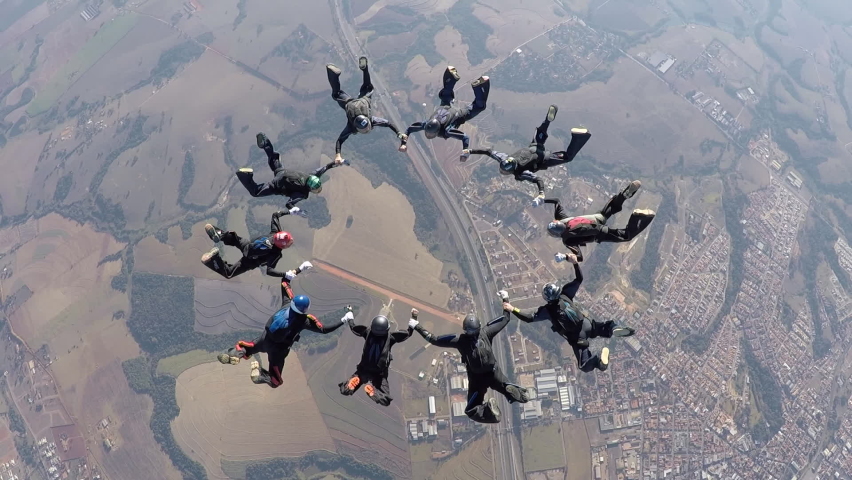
282	330
256	252
592	228
451	114
288	183
355	106
482	369
374	366
571	322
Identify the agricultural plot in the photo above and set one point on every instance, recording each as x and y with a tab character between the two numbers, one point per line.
177	364
542	447
578	450
475	462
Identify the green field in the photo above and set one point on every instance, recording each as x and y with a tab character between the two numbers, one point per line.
176	364
542	447
92	51
12	10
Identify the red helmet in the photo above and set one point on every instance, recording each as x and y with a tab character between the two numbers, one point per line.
282	240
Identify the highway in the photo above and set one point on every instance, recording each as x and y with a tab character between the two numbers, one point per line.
507	452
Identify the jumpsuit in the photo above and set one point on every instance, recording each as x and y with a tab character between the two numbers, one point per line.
374	366
256	252
592	228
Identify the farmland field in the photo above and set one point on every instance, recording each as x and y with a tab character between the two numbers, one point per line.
577	450
474	462
542	447
177	364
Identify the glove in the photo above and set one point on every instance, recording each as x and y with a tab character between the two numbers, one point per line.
348	316
346	162
412	323
560	257
348	308
305	266
403	147
290	275
402	137
538	200
414	313
294	210
504	295
465	154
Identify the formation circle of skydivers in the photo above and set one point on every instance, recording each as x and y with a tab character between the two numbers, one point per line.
568	318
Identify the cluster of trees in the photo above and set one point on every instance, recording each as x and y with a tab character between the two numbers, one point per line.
172	60
290	468
768	396
643	278
296	47
474	32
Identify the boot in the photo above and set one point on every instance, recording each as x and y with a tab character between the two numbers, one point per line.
631	189
232	356
210	256
479	81
551	113
519	394
353	382
362	63
214	233
495	410
621	331
246	170
255	372
452	71
333	69
644	213
603	364
263	141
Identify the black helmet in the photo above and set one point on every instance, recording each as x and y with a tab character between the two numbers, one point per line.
432	127
507	166
362	124
471	325
380	325
551	292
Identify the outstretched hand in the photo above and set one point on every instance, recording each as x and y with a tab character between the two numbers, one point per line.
305	266
508	307
347	317
538	200
412	323
560	257
403	147
290	275
504	295
464	155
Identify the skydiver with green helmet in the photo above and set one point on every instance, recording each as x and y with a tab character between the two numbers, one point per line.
289	183
523	163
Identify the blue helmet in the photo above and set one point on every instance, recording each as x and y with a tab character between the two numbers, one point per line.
507	166
301	304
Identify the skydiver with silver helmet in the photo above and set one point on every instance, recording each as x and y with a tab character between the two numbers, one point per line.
450	115
263	250
571	321
373	369
474	346
282	330
523	163
359	116
289	183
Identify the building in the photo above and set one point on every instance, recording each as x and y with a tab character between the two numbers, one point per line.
657	58
667	64
545	382
432	409
458	382
633	344
565	399
531	410
458	409
90	12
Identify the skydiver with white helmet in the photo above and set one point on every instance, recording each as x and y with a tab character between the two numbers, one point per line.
523	163
282	330
578	231
474	345
263	250
571	321
359	116
450	115
289	183
373	369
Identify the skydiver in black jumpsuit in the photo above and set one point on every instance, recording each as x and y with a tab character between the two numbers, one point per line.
289	183
483	373
282	330
450	115
259	251
523	163
373	369
359	113
571	321
578	231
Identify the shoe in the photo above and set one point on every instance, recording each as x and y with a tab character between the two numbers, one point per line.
353	383
519	393
631	189
214	233
255	371
579	131
333	69
453	72
644	213
209	256
551	113
362	63
604	363
623	331
246	170
369	390
232	356
262	141
479	81
492	404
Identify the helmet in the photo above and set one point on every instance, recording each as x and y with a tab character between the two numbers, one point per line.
551	292
362	124
301	304
380	325
471	325
507	166
555	228
314	183
282	240
432	127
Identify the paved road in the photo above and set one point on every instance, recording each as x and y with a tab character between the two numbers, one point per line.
507	453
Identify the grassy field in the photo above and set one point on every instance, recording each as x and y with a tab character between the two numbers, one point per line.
475	462
578	450
87	56
12	10
176	364
542	448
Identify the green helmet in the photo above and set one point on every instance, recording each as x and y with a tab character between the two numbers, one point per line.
314	183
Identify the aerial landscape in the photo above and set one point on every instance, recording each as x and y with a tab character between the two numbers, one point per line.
126	127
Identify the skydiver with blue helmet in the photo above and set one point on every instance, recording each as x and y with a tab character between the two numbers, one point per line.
525	162
450	115
359	113
282	330
474	346
571	321
373	369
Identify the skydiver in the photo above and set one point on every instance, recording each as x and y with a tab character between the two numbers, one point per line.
571	321
483	373
523	163
577	231
373	369
259	251
282	330
450	115
289	183
359	116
